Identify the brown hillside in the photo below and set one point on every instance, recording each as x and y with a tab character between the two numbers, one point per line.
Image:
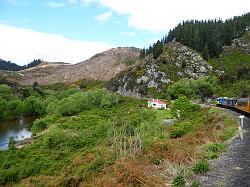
102	66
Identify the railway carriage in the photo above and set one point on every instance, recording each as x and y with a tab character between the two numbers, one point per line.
243	104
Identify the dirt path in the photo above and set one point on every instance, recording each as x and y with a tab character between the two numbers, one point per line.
233	167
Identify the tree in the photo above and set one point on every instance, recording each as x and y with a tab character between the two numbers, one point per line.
5	91
205	52
183	87
15	108
35	84
34	106
204	87
3	106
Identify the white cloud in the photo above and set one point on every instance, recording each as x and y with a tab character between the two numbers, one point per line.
130	34
162	15
104	16
23	46
53	4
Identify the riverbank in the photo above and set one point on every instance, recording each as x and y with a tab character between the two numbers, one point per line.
232	167
20	129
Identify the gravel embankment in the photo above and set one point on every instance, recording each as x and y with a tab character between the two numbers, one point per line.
232	168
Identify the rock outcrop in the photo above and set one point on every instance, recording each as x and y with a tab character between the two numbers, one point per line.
243	43
144	80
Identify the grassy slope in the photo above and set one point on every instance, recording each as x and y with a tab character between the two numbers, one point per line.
101	147
236	79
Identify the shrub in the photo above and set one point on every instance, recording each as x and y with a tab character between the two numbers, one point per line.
178	181
34	106
201	166
181	129
183	87
183	107
42	123
12	142
82	101
212	150
39	125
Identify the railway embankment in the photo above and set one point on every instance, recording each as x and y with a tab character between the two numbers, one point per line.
232	167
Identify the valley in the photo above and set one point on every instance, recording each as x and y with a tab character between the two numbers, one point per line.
94	127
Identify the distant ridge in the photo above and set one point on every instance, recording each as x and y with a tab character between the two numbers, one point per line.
7	65
102	66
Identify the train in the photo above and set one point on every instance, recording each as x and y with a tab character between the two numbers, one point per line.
238	104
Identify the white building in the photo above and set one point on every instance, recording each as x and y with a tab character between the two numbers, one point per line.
156	103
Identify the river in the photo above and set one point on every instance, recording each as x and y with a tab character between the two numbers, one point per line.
18	128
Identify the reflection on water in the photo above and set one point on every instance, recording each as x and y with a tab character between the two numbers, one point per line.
18	128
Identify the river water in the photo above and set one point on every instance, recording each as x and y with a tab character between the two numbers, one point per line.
18	128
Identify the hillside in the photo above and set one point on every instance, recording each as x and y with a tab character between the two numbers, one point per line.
102	66
205	36
153	77
147	79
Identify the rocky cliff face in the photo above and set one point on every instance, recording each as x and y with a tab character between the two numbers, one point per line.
144	80
242	44
102	66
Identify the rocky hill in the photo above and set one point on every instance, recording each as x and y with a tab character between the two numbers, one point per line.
102	66
234	62
144	80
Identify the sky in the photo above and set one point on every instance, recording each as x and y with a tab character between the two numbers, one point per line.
74	30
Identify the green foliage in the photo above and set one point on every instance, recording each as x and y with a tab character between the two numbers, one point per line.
5	91
67	92
235	64
15	108
42	123
178	181
212	150
183	87
181	129
11	145
206	37
34	106
201	166
204	87
39	125
78	102
184	108
3	106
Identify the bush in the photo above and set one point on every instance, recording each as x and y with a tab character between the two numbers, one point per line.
181	129
34	106
184	108
178	181
183	87
212	150
82	101
41	124
201	166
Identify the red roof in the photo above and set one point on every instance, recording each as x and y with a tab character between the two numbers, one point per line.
157	101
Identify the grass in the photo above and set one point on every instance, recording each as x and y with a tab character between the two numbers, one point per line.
163	114
124	144
212	150
201	166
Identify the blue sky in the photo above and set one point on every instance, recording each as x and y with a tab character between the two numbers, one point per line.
74	30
